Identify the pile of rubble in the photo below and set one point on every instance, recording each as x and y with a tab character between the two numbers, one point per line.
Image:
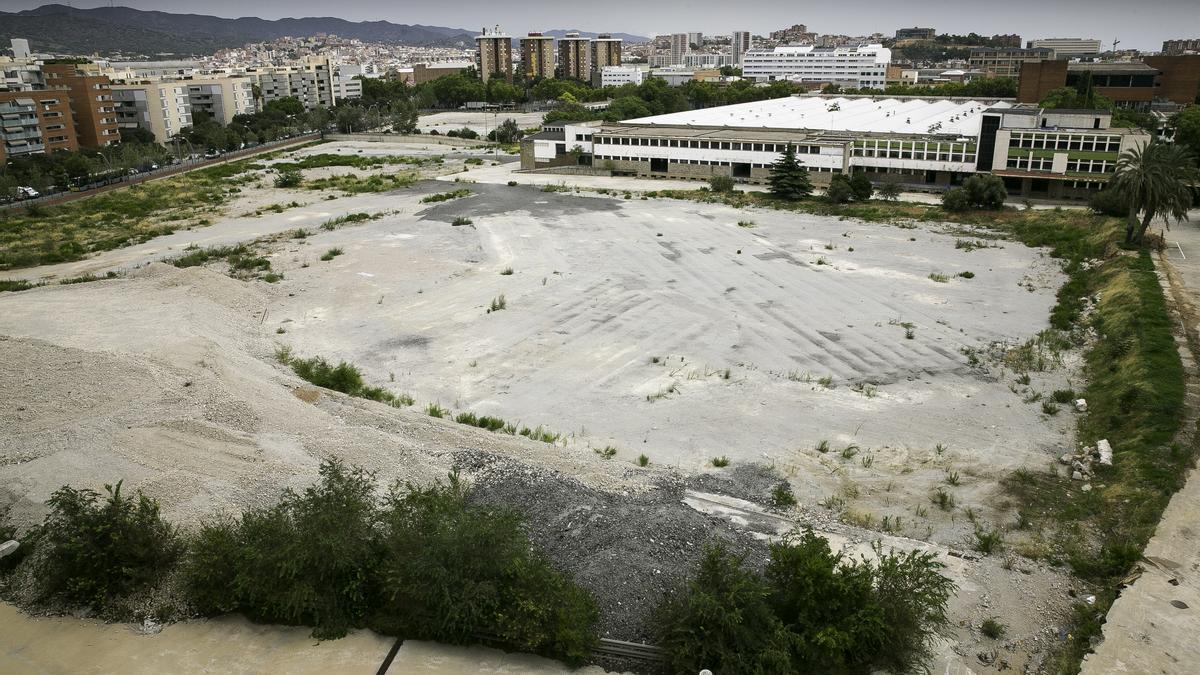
1081	462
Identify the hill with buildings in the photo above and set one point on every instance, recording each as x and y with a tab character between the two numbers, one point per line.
559	32
63	29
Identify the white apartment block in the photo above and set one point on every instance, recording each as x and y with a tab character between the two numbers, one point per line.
312	83
615	76
861	67
1065	48
162	108
222	97
345	84
698	60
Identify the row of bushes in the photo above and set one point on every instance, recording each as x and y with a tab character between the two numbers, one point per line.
423	563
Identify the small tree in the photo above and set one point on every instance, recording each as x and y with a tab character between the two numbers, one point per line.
861	186
789	179
839	191
956	199
889	192
1156	180
985	191
507	132
288	179
721	183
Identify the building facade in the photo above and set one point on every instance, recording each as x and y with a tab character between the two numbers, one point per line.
1005	62
493	55
537	56
797	33
861	67
222	97
615	76
1010	41
1174	79
311	83
679	47
739	44
162	108
1067	48
606	51
575	57
91	101
1179	47
35	122
915	33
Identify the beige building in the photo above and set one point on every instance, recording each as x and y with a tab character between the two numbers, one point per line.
310	83
1006	62
575	57
162	108
222	97
606	51
493	55
537	56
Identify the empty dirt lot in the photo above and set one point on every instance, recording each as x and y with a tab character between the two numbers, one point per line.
856	360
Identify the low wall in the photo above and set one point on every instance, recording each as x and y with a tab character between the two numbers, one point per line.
409	138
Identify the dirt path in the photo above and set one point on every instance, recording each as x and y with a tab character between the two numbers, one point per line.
1152	627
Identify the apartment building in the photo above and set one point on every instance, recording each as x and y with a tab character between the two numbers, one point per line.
222	97
33	122
20	48
615	76
861	67
797	33
91	101
606	51
679	47
537	56
1010	41
739	44
493	55
345	82
1179	47
162	108
1067	48
575	57
915	33
707	60
310	83
1005	62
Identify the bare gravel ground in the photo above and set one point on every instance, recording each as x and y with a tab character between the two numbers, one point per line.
622	319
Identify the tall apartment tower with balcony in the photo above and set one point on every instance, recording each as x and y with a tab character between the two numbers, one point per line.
537	56
91	100
162	108
606	51
679	47
739	44
575	57
493	55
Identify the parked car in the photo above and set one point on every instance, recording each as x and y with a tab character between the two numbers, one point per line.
24	192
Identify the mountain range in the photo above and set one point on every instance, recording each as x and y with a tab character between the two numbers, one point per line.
123	30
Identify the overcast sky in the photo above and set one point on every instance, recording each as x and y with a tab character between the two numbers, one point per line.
1142	24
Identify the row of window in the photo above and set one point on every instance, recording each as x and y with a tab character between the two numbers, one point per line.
1091	166
708	145
914	154
1067	142
1031	163
701	162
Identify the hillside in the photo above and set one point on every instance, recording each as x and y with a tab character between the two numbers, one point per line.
123	30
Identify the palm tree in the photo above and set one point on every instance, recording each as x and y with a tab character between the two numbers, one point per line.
1156	178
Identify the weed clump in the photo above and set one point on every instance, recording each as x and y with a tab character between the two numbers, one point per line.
720	462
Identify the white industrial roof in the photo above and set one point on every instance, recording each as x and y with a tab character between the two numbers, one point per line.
883	115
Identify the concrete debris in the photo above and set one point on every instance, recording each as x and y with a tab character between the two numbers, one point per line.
1105	451
1081	405
1087	487
9	547
1076	475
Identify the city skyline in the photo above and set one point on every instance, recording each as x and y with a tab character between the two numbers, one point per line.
1156	20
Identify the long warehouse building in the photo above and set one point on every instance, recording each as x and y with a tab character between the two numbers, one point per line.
934	142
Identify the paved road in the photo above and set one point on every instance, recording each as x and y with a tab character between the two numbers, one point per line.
1154	624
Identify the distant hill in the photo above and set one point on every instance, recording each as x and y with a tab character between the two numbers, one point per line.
558	32
112	30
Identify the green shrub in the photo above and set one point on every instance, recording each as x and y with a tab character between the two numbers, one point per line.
993	628
721	184
956	199
839	190
1110	203
98	550
453	571
307	560
343	377
985	191
721	620
288	179
782	496
861	186
889	192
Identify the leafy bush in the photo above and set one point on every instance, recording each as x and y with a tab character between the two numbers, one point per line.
288	179
721	183
1110	203
307	560
985	191
453	571
889	192
839	191
811	611
861	186
722	620
956	199
99	550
